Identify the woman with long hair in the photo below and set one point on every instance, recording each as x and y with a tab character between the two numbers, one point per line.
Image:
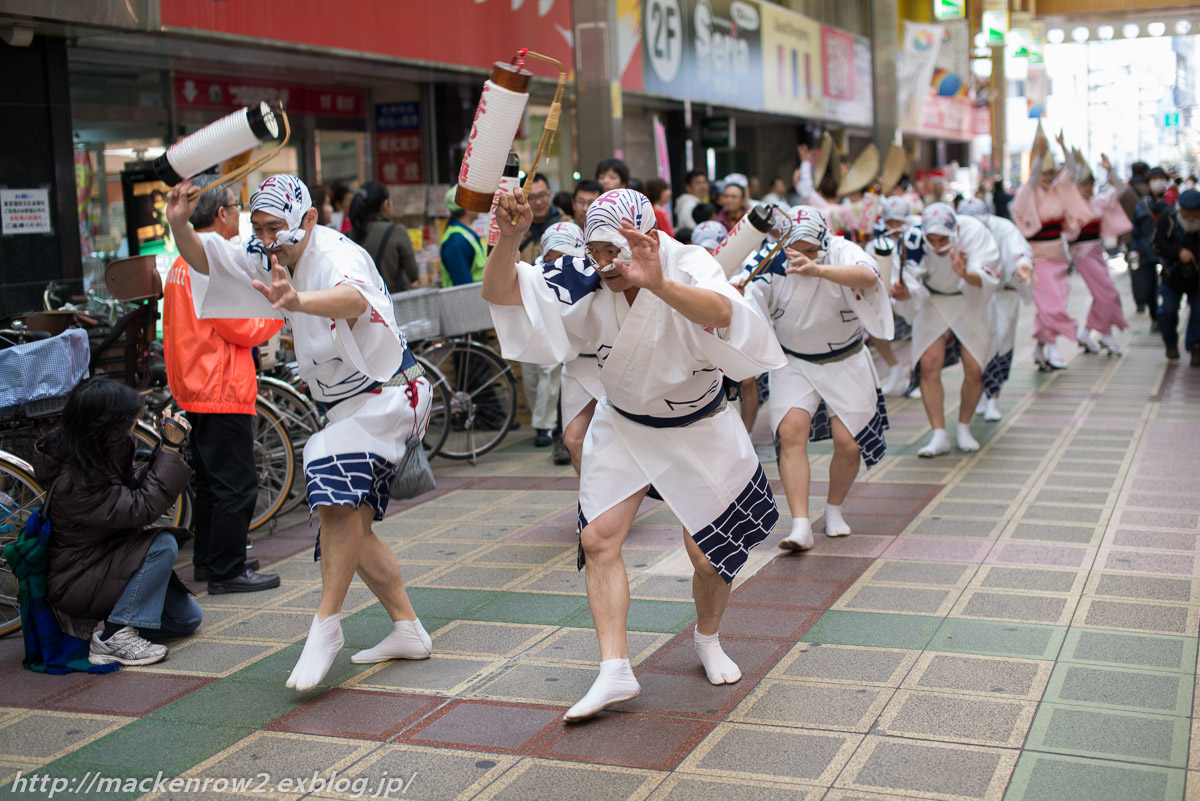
107	561
371	228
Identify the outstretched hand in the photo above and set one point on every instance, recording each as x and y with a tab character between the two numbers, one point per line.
180	205
1025	274
644	268
958	260
513	214
900	291
281	293
799	264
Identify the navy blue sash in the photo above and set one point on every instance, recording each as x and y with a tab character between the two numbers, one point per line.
835	355
674	422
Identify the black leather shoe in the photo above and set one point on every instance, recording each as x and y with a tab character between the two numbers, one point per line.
561	454
542	439
201	573
248	581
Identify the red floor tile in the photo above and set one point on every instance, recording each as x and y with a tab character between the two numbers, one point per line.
765	590
25	688
357	713
128	692
485	725
688	695
772	623
635	741
755	656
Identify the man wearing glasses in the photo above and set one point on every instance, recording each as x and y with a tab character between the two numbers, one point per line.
211	373
545	214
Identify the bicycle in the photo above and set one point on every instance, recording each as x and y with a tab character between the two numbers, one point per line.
20	495
480	391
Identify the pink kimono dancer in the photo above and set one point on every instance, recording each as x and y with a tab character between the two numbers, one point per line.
1051	289
1092	267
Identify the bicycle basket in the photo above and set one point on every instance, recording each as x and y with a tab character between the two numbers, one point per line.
42	369
417	312
464	310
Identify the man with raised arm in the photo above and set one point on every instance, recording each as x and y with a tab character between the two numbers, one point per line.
358	368
667	329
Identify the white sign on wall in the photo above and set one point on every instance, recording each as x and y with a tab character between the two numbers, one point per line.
24	211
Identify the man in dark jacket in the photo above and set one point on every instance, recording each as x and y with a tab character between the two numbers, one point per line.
1177	242
1144	276
545	214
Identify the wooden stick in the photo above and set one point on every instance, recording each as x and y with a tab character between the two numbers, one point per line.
552	118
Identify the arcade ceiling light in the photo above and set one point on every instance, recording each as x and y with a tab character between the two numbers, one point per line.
1059	30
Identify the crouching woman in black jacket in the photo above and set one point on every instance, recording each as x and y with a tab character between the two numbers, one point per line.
107	562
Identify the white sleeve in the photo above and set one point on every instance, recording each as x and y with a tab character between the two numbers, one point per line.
373	344
804	184
873	305
536	331
226	290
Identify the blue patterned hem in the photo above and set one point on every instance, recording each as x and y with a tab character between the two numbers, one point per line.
348	479
996	374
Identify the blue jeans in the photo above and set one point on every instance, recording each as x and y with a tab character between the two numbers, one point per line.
149	604
1168	317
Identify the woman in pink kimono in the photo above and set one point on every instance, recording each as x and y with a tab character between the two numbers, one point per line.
1087	253
1046	208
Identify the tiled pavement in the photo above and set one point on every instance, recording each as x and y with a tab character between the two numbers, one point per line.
1016	624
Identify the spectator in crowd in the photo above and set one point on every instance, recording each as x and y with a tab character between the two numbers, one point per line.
1171	195
612	174
463	254
107	561
320	196
585	192
211	373
564	202
545	214
659	192
778	194
695	192
1177	243
753	189
704	212
733	205
1001	197
389	244
339	197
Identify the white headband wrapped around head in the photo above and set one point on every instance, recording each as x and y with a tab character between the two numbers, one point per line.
565	238
285	197
973	207
938	219
607	212
809	225
894	208
708	234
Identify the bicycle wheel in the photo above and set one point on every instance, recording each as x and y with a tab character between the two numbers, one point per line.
483	396
146	438
439	409
301	419
274	459
20	495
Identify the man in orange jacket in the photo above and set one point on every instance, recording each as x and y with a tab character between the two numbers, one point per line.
210	369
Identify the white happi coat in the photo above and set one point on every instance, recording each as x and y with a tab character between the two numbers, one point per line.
580	385
1014	250
813	316
336	362
656	363
941	301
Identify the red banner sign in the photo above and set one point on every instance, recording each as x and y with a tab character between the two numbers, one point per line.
221	93
398	156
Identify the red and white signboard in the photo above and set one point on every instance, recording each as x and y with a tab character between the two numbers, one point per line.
227	94
398	156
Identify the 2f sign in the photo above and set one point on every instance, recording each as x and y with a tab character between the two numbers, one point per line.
664	37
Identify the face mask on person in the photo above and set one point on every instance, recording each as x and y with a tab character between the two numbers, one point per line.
1158	186
1189	226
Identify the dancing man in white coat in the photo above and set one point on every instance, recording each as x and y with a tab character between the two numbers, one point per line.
666	325
949	277
358	368
1016	287
822	293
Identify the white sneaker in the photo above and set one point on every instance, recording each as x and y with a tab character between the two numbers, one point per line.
1084	338
125	647
992	412
1054	358
1109	343
801	538
895	380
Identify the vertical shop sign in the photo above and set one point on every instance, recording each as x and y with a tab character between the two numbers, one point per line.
792	73
398	142
847	80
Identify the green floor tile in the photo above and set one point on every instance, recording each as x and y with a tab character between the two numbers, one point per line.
991	638
531	607
235	702
664	617
1133	690
1157	651
1108	734
447	603
869	628
1046	777
151	744
276	668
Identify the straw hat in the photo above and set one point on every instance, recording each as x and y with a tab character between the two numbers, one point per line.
1081	170
824	156
895	166
861	173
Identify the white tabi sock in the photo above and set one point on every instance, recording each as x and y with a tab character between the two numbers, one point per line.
801	537
992	413
408	640
717	664
981	407
324	641
835	524
616	683
938	444
966	442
